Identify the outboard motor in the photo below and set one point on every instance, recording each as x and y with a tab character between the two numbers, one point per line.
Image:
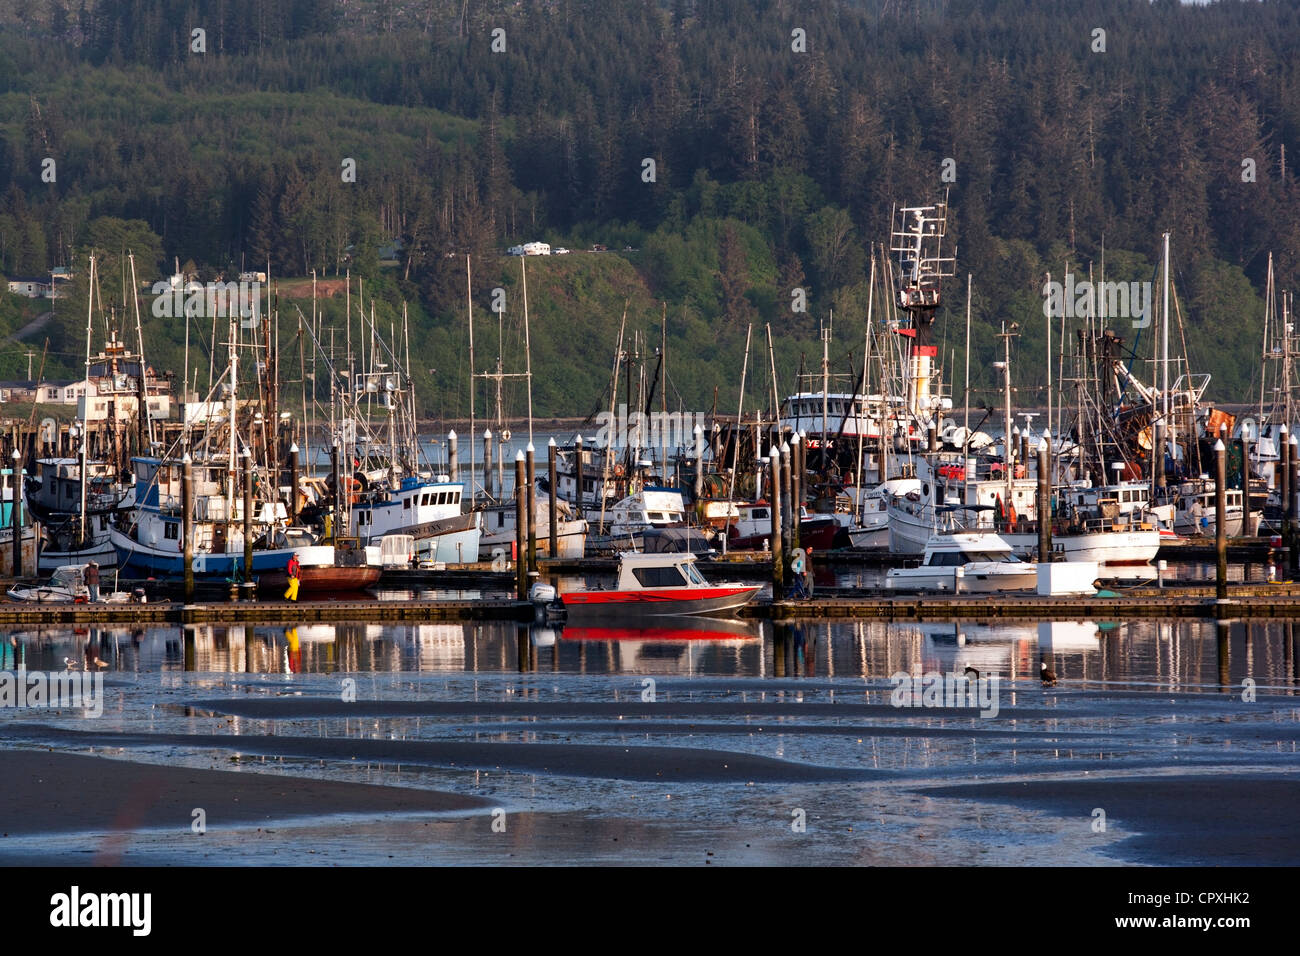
546	602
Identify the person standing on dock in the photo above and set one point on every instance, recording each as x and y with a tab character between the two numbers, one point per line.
808	575
92	581
797	574
295	570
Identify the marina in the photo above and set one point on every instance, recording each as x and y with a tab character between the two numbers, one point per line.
842	597
649	433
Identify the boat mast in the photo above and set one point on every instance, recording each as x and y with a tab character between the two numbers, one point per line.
145	423
528	351
85	401
1170	430
663	395
232	467
735	437
776	403
1008	453
612	431
965	445
473	439
863	420
826	385
1048	420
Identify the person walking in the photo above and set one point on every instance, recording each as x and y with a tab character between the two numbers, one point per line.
92	581
295	572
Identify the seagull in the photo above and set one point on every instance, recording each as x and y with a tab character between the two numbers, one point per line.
971	670
1048	675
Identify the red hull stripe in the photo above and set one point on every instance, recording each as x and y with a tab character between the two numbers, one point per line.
648	634
653	596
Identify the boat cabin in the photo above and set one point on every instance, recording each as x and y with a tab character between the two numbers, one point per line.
638	571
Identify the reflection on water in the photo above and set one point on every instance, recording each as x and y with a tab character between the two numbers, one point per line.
1181	654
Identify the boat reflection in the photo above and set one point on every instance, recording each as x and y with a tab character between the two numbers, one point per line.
1009	649
1176	653
685	628
669	645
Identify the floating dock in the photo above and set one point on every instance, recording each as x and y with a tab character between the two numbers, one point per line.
1244	600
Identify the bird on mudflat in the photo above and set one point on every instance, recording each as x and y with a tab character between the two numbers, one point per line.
1048	675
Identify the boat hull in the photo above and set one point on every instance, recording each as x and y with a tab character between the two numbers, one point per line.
141	560
101	552
817	533
659	602
321	579
1120	555
969	582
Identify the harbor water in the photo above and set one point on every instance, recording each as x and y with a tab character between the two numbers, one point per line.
699	743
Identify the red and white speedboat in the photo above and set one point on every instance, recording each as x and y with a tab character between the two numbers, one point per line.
657	585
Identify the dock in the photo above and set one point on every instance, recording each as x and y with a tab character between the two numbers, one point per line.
1195	601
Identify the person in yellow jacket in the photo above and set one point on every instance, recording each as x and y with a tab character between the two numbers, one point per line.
295	571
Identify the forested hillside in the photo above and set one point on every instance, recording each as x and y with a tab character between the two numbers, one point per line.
781	134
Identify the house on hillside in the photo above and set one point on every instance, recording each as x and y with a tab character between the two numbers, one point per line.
32	288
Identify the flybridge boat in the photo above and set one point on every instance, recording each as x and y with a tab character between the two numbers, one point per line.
972	561
659	585
429	510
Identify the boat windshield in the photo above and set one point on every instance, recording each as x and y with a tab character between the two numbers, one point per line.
66	578
669	577
953	559
693	574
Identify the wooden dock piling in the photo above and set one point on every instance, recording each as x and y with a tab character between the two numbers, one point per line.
521	525
778	551
1221	519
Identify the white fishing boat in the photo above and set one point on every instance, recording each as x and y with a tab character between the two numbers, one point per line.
571	533
66	586
870	529
966	562
1191	506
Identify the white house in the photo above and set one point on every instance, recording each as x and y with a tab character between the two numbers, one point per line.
32	288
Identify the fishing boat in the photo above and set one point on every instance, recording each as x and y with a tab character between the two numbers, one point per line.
972	562
341	568
658	585
870	530
499	526
752	530
428	509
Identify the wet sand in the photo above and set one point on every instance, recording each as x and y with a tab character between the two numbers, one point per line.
49	792
646	763
1219	820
